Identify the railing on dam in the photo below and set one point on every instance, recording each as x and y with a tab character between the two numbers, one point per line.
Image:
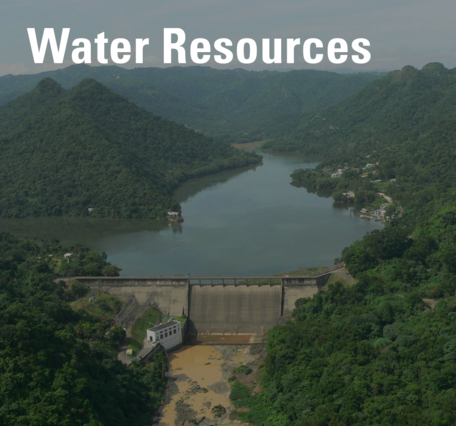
244	281
234	281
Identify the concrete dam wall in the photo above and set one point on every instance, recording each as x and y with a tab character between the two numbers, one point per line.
168	296
215	305
299	287
234	309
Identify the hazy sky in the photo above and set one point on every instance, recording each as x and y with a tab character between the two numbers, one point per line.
401	32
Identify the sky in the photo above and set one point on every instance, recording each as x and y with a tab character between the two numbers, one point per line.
401	32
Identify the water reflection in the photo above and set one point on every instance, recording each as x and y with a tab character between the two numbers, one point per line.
74	230
194	186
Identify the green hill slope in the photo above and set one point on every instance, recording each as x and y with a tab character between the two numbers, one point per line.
406	104
65	152
233	105
59	367
381	351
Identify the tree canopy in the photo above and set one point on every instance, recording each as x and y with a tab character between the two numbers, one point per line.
380	352
88	151
58	367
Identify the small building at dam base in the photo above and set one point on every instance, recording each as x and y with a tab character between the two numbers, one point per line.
169	334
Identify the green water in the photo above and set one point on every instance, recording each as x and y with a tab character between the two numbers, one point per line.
244	222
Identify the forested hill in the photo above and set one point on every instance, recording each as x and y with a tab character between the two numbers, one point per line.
65	152
380	352
405	105
58	366
232	105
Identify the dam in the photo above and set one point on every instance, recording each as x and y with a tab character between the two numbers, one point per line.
215	305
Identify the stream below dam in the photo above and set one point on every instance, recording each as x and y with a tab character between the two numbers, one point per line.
243	222
198	384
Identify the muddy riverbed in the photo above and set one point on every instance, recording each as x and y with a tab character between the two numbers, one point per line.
198	388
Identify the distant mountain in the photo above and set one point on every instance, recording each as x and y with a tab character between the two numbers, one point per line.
88	150
403	105
233	105
352	71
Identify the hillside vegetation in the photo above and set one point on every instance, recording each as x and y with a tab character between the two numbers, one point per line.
88	151
59	367
383	351
232	105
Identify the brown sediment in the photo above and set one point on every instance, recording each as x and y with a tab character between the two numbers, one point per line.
199	381
195	369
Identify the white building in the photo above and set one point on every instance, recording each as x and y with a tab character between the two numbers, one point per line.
169	335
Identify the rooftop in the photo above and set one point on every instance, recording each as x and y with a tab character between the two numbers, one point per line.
165	325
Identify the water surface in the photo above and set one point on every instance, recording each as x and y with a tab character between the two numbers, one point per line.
243	222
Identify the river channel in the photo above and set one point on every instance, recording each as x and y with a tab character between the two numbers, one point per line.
244	222
198	383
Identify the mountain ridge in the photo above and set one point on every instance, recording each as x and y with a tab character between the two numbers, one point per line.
67	151
393	106
232	105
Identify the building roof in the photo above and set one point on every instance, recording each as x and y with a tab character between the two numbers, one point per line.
165	325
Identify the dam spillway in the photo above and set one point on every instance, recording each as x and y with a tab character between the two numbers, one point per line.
241	309
215	305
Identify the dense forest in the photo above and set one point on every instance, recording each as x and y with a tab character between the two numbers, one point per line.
58	367
381	351
88	151
231	105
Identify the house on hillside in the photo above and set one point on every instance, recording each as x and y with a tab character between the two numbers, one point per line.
169	335
338	173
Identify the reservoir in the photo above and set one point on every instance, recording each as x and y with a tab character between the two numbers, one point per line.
244	222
